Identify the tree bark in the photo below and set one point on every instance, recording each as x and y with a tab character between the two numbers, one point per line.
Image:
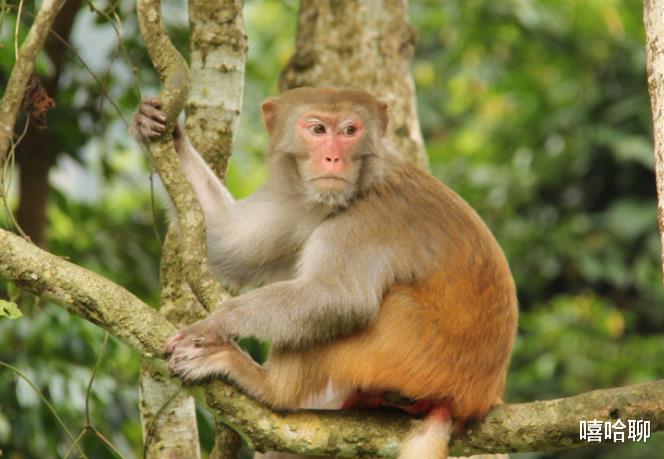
22	70
218	54
168	417
168	414
653	18
365	44
174	72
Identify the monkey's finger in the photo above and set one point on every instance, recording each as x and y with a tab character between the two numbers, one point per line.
152	112
172	343
150	127
154	101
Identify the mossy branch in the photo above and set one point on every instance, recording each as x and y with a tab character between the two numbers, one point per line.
537	426
22	70
174	73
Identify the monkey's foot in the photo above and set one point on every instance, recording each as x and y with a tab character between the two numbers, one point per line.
193	362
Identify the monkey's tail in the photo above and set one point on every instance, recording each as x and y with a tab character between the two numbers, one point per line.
430	439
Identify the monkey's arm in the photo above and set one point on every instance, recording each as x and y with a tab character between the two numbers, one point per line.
241	249
248	241
338	289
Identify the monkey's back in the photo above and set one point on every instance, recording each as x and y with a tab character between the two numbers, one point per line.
445	330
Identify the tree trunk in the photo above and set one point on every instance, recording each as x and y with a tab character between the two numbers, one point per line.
34	154
168	417
366	45
653	17
168	414
218	54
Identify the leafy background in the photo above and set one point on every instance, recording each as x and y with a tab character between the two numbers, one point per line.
536	112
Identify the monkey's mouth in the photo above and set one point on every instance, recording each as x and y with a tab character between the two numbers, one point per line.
330	178
330	183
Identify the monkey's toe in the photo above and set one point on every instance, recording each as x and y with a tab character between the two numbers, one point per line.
196	363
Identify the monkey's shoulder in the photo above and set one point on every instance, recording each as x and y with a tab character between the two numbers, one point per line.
409	190
413	207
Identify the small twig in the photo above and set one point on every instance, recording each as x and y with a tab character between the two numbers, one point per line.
119	49
17	27
88	392
78	57
44	400
102	90
6	179
80	437
107	442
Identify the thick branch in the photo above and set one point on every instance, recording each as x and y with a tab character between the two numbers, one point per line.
524	427
174	73
83	293
653	17
23	68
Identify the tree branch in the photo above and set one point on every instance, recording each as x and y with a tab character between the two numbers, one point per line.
22	70
537	426
174	73
84	293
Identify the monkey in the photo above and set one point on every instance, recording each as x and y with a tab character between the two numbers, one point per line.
375	283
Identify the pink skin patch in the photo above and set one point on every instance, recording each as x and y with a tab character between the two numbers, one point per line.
173	342
441	411
372	400
331	138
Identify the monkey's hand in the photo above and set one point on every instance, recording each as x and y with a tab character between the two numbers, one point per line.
150	121
199	350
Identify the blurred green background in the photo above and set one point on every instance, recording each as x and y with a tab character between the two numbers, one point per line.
536	112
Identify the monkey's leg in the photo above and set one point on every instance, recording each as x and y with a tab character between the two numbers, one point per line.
285	381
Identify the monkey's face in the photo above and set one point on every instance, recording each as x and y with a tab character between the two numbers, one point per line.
332	141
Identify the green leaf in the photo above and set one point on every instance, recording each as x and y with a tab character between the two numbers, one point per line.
10	309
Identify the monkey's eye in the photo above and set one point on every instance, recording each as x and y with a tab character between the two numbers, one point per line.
349	130
317	129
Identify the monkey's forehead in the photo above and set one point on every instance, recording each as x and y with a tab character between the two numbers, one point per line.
330	99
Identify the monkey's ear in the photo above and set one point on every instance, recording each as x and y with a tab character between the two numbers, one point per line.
384	119
269	109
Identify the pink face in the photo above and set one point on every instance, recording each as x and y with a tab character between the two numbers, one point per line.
331	139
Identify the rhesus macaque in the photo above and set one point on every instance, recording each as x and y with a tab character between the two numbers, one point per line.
376	278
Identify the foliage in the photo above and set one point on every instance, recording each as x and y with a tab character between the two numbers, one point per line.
535	112
10	310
